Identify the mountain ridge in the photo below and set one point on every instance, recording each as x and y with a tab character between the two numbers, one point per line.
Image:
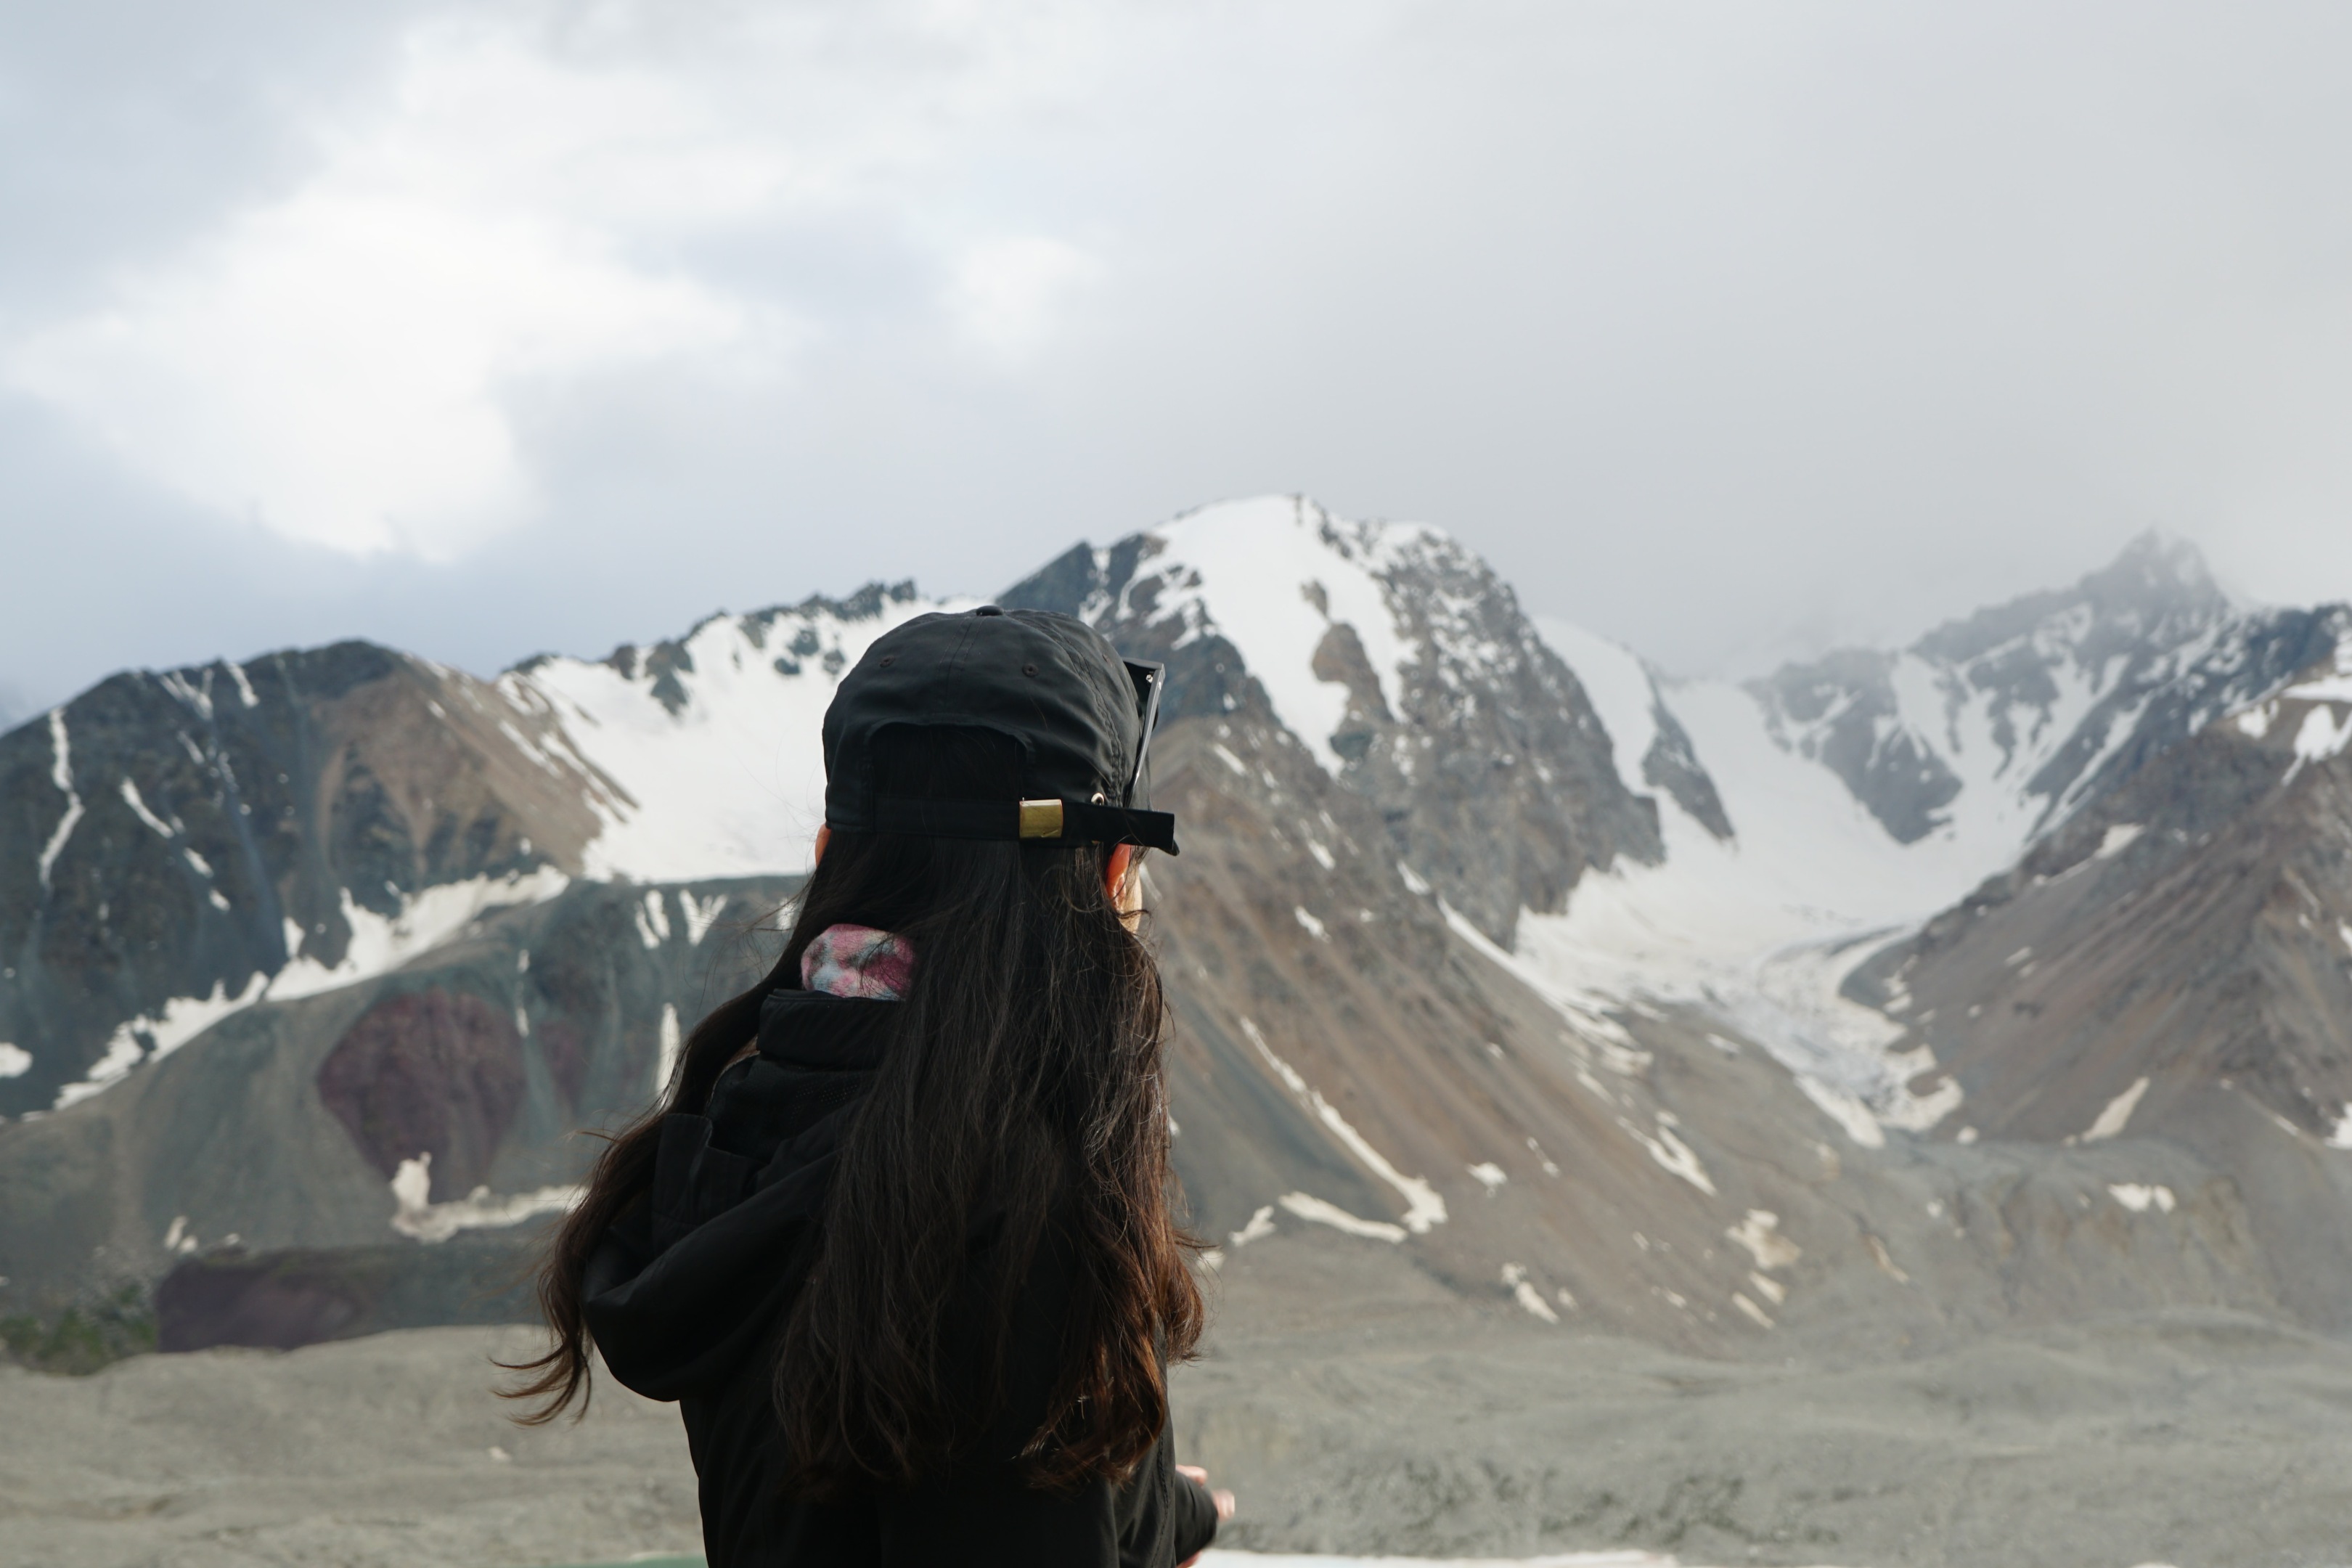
1389	704
2040	703
1491	949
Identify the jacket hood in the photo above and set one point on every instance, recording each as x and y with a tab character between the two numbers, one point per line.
692	1275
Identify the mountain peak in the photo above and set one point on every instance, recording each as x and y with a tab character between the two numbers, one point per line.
1401	664
2037	703
2156	579
2156	571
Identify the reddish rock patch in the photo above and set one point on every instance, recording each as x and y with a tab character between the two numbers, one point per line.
429	1072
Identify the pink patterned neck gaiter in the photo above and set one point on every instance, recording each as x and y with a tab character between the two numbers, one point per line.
858	960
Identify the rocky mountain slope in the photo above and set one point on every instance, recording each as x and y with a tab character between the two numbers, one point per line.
2025	716
2173	969
170	845
1492	951
437	1097
175	847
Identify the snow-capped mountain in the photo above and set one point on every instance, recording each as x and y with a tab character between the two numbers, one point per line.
2171	969
172	846
2188	934
1994	728
175	847
1489	942
1351	1047
710	740
1869	791
1404	668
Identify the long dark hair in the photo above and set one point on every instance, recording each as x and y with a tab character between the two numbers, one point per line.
1023	1075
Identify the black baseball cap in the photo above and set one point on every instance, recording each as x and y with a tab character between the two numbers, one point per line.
1081	715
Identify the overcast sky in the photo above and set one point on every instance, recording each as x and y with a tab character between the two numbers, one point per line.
1732	330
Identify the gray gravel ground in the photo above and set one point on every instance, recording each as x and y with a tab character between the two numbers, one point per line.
1353	1405
1407	1422
372	1451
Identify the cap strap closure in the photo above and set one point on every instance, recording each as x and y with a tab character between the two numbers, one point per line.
1047	821
1085	821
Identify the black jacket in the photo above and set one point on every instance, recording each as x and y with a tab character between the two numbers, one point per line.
685	1292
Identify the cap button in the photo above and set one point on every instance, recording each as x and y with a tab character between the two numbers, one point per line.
988	610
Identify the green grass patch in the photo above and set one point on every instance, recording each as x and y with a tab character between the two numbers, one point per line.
84	1337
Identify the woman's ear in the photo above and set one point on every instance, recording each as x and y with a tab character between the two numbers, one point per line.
1123	881
823	837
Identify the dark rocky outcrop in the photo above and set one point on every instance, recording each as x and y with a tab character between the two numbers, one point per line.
305	1296
1673	766
1841	712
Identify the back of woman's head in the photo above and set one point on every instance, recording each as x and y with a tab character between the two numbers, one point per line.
1022	1078
1020	1082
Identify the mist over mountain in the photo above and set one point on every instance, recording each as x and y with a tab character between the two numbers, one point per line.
1665	1007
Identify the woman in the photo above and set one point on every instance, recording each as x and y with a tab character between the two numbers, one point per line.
898	1237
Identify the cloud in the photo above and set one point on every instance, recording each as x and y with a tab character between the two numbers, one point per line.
521	207
331	364
1007	293
1729	330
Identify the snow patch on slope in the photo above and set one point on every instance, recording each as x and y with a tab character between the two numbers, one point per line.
378	945
60	774
1809	865
157	1035
2117	1115
415	1215
726	779
1309	1207
1424	1207
2323	735
1281	572
2331	686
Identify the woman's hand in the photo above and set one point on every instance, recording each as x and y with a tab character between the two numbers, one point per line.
1221	1498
